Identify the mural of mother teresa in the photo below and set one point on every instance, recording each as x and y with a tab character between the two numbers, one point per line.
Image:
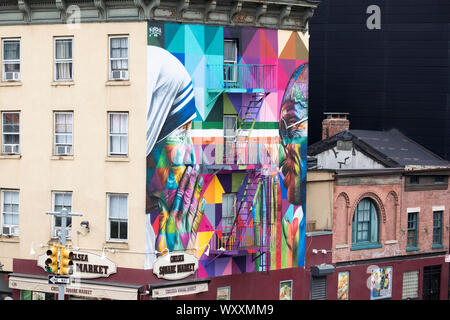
174	185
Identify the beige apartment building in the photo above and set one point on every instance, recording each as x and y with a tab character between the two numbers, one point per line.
71	135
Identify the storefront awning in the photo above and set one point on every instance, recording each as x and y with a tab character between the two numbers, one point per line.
178	288
85	288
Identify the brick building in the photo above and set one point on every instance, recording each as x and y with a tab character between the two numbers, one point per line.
390	216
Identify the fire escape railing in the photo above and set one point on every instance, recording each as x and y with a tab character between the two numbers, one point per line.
241	76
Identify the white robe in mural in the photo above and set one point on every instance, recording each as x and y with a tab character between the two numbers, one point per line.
171	101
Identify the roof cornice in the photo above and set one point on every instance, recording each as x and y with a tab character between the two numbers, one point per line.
283	14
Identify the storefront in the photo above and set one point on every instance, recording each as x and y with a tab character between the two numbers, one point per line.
33	287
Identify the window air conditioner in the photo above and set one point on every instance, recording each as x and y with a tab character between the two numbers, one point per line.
119	75
63	150
11	148
10	230
12	76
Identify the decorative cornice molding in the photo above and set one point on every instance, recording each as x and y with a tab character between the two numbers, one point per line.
210	7
101	7
262	10
62	7
237	7
147	10
285	14
24	7
181	8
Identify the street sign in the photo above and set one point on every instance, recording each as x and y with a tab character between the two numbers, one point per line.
58	280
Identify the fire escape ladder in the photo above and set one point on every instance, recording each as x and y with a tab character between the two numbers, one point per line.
247	116
243	216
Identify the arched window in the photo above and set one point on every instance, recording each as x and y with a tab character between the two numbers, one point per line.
365	225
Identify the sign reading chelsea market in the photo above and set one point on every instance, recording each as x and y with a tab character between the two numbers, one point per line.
175	265
86	265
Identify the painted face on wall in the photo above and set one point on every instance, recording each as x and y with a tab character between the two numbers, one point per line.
293	127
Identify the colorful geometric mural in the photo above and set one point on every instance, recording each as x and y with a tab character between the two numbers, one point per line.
215	134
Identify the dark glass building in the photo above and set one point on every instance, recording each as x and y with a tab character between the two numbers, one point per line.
387	66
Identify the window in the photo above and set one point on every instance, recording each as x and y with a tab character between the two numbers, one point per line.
365	223
11	59
10	212
63	133
410	287
118	58
412	229
118	216
62	200
437	228
414	180
439	179
10	132
230	60
63	59
118	133
228	211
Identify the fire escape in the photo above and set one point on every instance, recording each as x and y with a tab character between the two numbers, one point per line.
249	232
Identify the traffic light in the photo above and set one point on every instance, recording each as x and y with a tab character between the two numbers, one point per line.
51	264
66	262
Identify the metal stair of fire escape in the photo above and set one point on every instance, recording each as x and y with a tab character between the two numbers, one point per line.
244	209
248	114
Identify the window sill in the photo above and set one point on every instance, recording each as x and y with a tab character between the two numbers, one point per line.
437	246
63	83
409	249
10	83
10	156
118	83
117	159
365	246
116	244
54	157
11	239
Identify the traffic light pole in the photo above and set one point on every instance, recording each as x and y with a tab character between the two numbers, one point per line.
62	239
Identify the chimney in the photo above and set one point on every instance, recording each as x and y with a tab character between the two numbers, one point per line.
335	123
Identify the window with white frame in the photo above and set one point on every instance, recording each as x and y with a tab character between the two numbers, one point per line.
11	132
63	59
118	216
10	212
118	57
118	133
230	60
62	199
410	288
11	59
63	133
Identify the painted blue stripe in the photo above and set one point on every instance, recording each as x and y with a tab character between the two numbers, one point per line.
181	101
176	120
185	88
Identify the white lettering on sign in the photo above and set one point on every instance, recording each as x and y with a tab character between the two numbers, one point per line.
175	265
